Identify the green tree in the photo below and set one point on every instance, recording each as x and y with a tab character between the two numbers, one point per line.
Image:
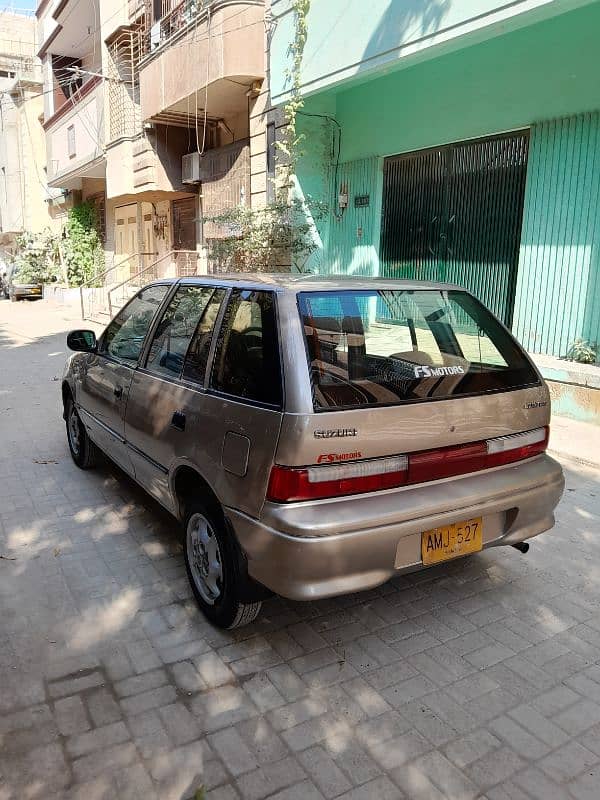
267	238
37	260
82	247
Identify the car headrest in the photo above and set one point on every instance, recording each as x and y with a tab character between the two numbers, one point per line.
353	324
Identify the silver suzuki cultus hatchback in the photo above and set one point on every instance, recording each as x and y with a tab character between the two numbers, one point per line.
316	436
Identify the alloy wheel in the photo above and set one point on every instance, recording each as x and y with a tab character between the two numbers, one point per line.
74	430
204	558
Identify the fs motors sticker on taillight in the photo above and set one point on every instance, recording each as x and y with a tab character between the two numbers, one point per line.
294	484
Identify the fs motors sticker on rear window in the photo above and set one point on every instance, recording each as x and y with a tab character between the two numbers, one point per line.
437	372
384	347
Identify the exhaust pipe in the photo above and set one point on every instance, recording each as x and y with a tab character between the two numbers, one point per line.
522	547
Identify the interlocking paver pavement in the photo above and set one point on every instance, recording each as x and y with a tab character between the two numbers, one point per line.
479	678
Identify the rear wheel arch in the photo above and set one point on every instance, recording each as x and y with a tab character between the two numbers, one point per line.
190	487
186	484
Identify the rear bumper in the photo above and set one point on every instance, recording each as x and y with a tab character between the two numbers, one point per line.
319	549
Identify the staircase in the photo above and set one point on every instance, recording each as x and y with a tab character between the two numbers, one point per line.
102	297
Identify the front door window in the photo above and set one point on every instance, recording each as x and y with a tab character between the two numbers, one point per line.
124	337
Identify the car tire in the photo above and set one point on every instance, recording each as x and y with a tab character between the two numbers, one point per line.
213	568
83	451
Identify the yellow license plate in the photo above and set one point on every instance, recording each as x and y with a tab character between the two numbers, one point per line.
451	541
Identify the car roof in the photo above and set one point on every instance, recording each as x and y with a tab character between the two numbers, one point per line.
299	282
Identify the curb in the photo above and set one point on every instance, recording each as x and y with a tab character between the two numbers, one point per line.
574	459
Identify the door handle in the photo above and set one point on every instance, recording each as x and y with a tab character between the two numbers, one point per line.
118	392
178	421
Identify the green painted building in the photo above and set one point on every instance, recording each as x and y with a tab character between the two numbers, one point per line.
457	140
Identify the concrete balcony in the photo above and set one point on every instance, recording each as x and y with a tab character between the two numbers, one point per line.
148	162
67	26
194	58
144	165
132	167
75	138
46	24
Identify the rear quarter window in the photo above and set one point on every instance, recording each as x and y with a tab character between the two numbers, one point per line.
247	362
395	346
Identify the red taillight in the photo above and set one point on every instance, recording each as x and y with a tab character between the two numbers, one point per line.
292	484
431	465
506	449
289	484
447	462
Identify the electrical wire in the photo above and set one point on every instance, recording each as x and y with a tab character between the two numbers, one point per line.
204	37
175	45
62	84
92	128
336	151
206	86
33	153
187	43
38	170
196	28
172	47
75	96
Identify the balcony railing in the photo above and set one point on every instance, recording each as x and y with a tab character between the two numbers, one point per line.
70	102
135	8
176	17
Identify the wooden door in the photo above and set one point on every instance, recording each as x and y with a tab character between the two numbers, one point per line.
126	241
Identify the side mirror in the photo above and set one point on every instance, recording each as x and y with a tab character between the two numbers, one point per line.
82	341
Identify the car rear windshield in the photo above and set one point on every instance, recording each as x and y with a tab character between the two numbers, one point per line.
386	347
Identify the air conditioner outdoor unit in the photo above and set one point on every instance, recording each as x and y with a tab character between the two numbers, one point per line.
212	165
198	167
190	168
155	35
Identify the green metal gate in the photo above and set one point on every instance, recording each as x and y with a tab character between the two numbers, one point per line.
454	214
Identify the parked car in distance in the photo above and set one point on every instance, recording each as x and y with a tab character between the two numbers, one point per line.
20	288
316	436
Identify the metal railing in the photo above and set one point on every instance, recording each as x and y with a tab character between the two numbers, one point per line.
99	286
186	263
135	9
175	17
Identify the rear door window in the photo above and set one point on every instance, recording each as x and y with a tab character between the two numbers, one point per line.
176	328
247	363
393	346
197	357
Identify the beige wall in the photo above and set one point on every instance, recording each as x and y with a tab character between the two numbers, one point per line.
24	197
160	202
91	186
236	50
46	23
113	15
119	168
18	34
261	113
87	119
151	162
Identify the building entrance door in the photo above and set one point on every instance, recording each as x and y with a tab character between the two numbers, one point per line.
126	241
454	213
184	223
